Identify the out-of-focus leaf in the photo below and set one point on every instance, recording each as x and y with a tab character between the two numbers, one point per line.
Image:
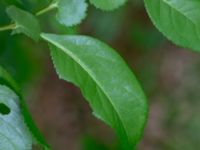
35	5
17	128
107	4
71	12
105	80
12	2
19	1
24	22
14	134
145	37
89	143
106	25
18	56
178	20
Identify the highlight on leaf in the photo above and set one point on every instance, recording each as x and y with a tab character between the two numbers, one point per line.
106	82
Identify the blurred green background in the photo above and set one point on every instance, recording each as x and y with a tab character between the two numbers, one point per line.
169	75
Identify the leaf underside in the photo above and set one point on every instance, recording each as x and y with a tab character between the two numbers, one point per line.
105	81
178	20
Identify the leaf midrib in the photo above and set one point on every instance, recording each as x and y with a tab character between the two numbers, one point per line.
185	16
177	10
76	59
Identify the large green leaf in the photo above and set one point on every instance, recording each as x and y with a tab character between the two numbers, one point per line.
10	96
105	80
24	22
178	20
107	4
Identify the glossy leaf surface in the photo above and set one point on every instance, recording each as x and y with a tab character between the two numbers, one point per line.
105	80
178	20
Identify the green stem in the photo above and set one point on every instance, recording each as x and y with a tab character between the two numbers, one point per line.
8	27
41	12
47	9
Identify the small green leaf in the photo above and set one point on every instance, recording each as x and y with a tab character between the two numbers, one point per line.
25	22
11	97
107	4
14	134
105	80
71	12
178	20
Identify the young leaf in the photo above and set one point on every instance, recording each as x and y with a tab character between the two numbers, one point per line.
14	134
7	81
107	4
178	20
105	80
25	22
71	12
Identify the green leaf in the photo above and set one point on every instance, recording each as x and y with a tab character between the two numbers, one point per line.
70	12
178	20
19	1
14	134
6	79
105	80
25	22
107	4
12	98
12	2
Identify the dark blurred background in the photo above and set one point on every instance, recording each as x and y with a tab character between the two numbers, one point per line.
169	75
